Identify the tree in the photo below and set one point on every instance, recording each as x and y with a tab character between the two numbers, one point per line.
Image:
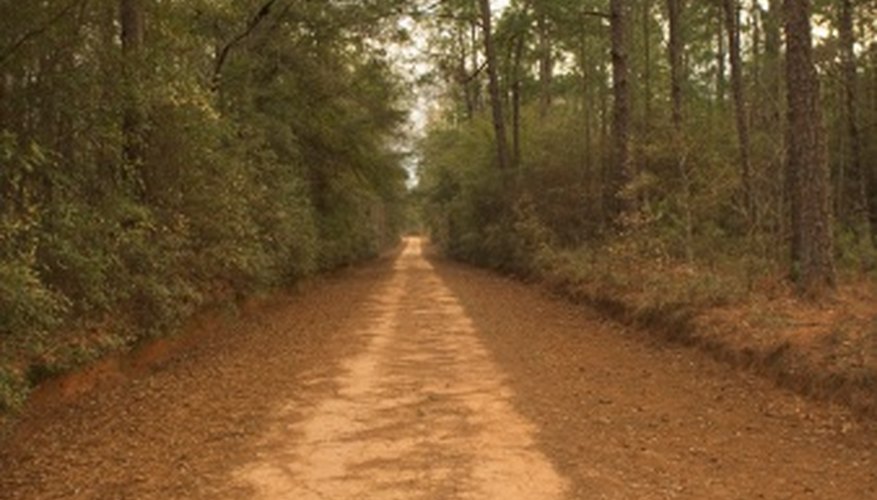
773	197
675	49
732	27
546	62
520	43
855	200
131	22
674	8
720	58
812	241
621	161
129	185
634	141
496	101
648	93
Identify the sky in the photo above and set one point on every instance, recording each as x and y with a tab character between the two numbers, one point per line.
415	66
499	5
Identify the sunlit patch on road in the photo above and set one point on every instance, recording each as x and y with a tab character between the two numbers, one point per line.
422	412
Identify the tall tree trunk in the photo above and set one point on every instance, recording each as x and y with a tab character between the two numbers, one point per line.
756	22
464	77
499	126
6	81
131	21
856	204
812	241
720	61
588	111
67	139
477	97
773	126
732	26
772	66
676	48
546	65
647	71
648	93
621	160
605	169
520	43
674	9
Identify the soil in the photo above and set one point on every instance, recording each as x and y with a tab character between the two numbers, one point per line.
419	378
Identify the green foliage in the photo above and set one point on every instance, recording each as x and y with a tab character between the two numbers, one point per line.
27	305
142	185
695	229
857	254
630	271
12	391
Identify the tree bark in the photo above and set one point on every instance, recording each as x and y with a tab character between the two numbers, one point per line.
588	110
546	65
856	197
676	47
732	27
463	76
499	126
621	160
812	241
131	22
675	52
477	97
647	71
520	44
773	126
772	66
756	23
720	61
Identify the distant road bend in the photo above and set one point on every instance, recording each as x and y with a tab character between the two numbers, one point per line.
416	378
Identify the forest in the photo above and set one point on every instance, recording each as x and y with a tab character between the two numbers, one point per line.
159	157
706	134
457	249
701	169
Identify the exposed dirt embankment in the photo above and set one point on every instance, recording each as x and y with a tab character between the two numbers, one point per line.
624	418
41	373
414	379
825	350
180	429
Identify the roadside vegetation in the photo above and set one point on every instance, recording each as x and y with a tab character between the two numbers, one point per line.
701	168
160	157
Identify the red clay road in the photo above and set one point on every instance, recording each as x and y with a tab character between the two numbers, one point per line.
415	378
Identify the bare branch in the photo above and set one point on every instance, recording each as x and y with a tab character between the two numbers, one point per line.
468	78
224	52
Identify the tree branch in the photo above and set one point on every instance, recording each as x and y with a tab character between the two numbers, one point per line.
468	78
223	53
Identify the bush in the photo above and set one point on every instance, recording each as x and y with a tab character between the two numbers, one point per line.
13	391
27	307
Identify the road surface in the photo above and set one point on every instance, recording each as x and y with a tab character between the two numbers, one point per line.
415	378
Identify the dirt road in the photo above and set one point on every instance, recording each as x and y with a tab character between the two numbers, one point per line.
413	379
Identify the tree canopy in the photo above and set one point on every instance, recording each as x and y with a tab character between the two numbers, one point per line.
157	156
